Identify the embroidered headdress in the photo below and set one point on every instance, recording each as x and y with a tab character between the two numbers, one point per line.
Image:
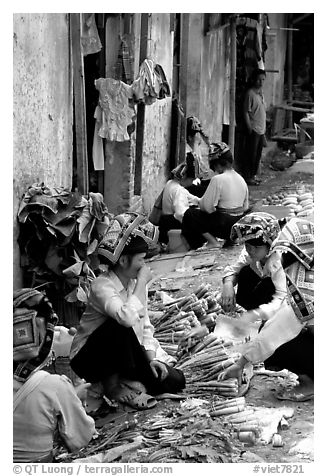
32	339
127	232
256	225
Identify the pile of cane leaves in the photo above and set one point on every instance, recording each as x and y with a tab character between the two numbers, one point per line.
58	237
170	434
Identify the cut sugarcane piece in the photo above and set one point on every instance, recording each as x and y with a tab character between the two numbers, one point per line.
228	410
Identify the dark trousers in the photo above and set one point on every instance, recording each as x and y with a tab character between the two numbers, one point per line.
253	150
196	222
114	349
166	223
253	290
297	355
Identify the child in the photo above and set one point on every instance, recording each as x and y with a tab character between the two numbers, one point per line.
44	404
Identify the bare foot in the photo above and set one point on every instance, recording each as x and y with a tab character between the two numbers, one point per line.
121	393
134	385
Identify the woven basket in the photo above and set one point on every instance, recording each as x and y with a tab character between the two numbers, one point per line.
303	148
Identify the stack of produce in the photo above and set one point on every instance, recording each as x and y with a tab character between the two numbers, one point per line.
185	322
204	361
241	417
300	201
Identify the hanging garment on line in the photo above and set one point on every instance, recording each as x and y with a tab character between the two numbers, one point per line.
90	40
114	100
97	148
146	87
124	64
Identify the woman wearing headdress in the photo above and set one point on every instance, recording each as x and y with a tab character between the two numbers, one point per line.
176	198
114	343
224	202
275	276
44	405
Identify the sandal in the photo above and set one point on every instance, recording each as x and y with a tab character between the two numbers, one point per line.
142	401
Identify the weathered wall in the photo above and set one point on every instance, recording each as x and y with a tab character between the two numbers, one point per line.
42	107
213	72
194	64
275	59
158	115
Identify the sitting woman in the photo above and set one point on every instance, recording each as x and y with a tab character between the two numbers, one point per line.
224	202
45	405
114	343
286	340
258	275
176	199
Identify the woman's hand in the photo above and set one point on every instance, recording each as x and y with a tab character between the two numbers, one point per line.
81	392
193	201
228	297
159	369
145	274
234	371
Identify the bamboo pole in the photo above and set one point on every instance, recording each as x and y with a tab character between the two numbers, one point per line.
232	87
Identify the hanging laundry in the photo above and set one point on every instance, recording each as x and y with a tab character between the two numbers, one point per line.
90	39
97	148
124	64
252	53
118	114
164	86
146	87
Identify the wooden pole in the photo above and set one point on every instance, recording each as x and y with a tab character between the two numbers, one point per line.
79	104
141	110
290	68
232	87
183	71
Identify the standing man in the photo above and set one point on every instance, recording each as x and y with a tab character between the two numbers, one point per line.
255	121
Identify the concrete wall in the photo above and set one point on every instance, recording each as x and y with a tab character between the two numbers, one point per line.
42	107
275	59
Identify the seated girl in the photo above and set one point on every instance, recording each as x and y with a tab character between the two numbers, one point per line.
114	343
44	405
275	284
176	199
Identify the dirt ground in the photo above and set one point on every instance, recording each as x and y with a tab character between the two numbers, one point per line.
261	391
262	387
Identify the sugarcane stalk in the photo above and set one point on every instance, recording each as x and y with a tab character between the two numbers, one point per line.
228	410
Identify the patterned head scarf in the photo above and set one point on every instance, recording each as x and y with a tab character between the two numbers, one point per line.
255	225
217	149
190	168
32	341
121	231
297	238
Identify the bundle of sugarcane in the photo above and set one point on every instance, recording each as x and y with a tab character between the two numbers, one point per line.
171	349
191	339
236	412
